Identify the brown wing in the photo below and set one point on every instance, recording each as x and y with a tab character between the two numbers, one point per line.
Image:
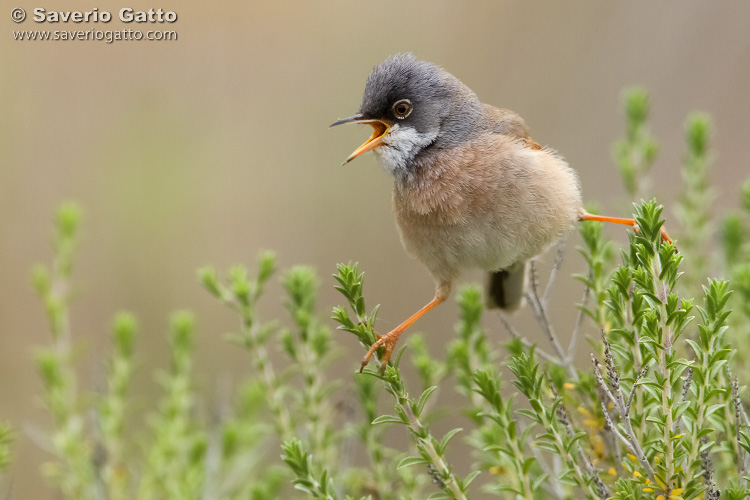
506	122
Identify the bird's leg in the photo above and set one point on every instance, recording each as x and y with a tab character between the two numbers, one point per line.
583	216
389	340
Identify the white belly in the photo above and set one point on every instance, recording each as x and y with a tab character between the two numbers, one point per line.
448	251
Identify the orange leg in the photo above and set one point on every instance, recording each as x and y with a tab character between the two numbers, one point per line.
389	340
618	220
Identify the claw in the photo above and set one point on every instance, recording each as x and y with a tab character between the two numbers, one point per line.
382	340
389	340
665	236
384	364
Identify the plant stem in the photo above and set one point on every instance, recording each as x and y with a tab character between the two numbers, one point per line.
449	479
540	312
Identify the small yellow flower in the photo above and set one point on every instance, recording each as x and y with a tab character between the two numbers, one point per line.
676	494
660	497
568	385
612	471
497	470
632	457
584	411
636	474
648	490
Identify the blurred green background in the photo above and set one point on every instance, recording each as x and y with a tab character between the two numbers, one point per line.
207	149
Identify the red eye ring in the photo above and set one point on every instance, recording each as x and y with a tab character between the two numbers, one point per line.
402	108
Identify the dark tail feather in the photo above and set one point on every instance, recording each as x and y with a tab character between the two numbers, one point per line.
505	288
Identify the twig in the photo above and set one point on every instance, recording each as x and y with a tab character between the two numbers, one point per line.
602	384
540	312
687	380
611	434
579	323
562	416
707	464
620	406
631	396
556	488
526	342
555	267
611	425
737	403
686	383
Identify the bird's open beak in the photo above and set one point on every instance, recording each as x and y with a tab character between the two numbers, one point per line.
380	128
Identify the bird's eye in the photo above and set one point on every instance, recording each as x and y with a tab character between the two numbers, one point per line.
402	108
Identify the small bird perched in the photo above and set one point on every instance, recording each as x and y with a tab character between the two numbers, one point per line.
471	188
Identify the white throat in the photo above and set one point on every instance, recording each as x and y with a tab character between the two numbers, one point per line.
399	147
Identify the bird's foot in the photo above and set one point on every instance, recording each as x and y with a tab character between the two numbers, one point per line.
665	236
387	341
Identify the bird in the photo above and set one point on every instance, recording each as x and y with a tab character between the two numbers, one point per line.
471	188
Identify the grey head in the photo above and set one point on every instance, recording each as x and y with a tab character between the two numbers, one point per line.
414	106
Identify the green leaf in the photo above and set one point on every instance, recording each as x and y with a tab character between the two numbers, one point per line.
410	461
390	419
448	436
419	406
470	477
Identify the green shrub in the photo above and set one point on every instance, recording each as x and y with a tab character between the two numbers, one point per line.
658	414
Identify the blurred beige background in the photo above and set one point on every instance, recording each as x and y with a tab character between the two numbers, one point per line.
207	149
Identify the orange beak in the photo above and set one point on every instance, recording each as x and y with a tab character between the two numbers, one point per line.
380	128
